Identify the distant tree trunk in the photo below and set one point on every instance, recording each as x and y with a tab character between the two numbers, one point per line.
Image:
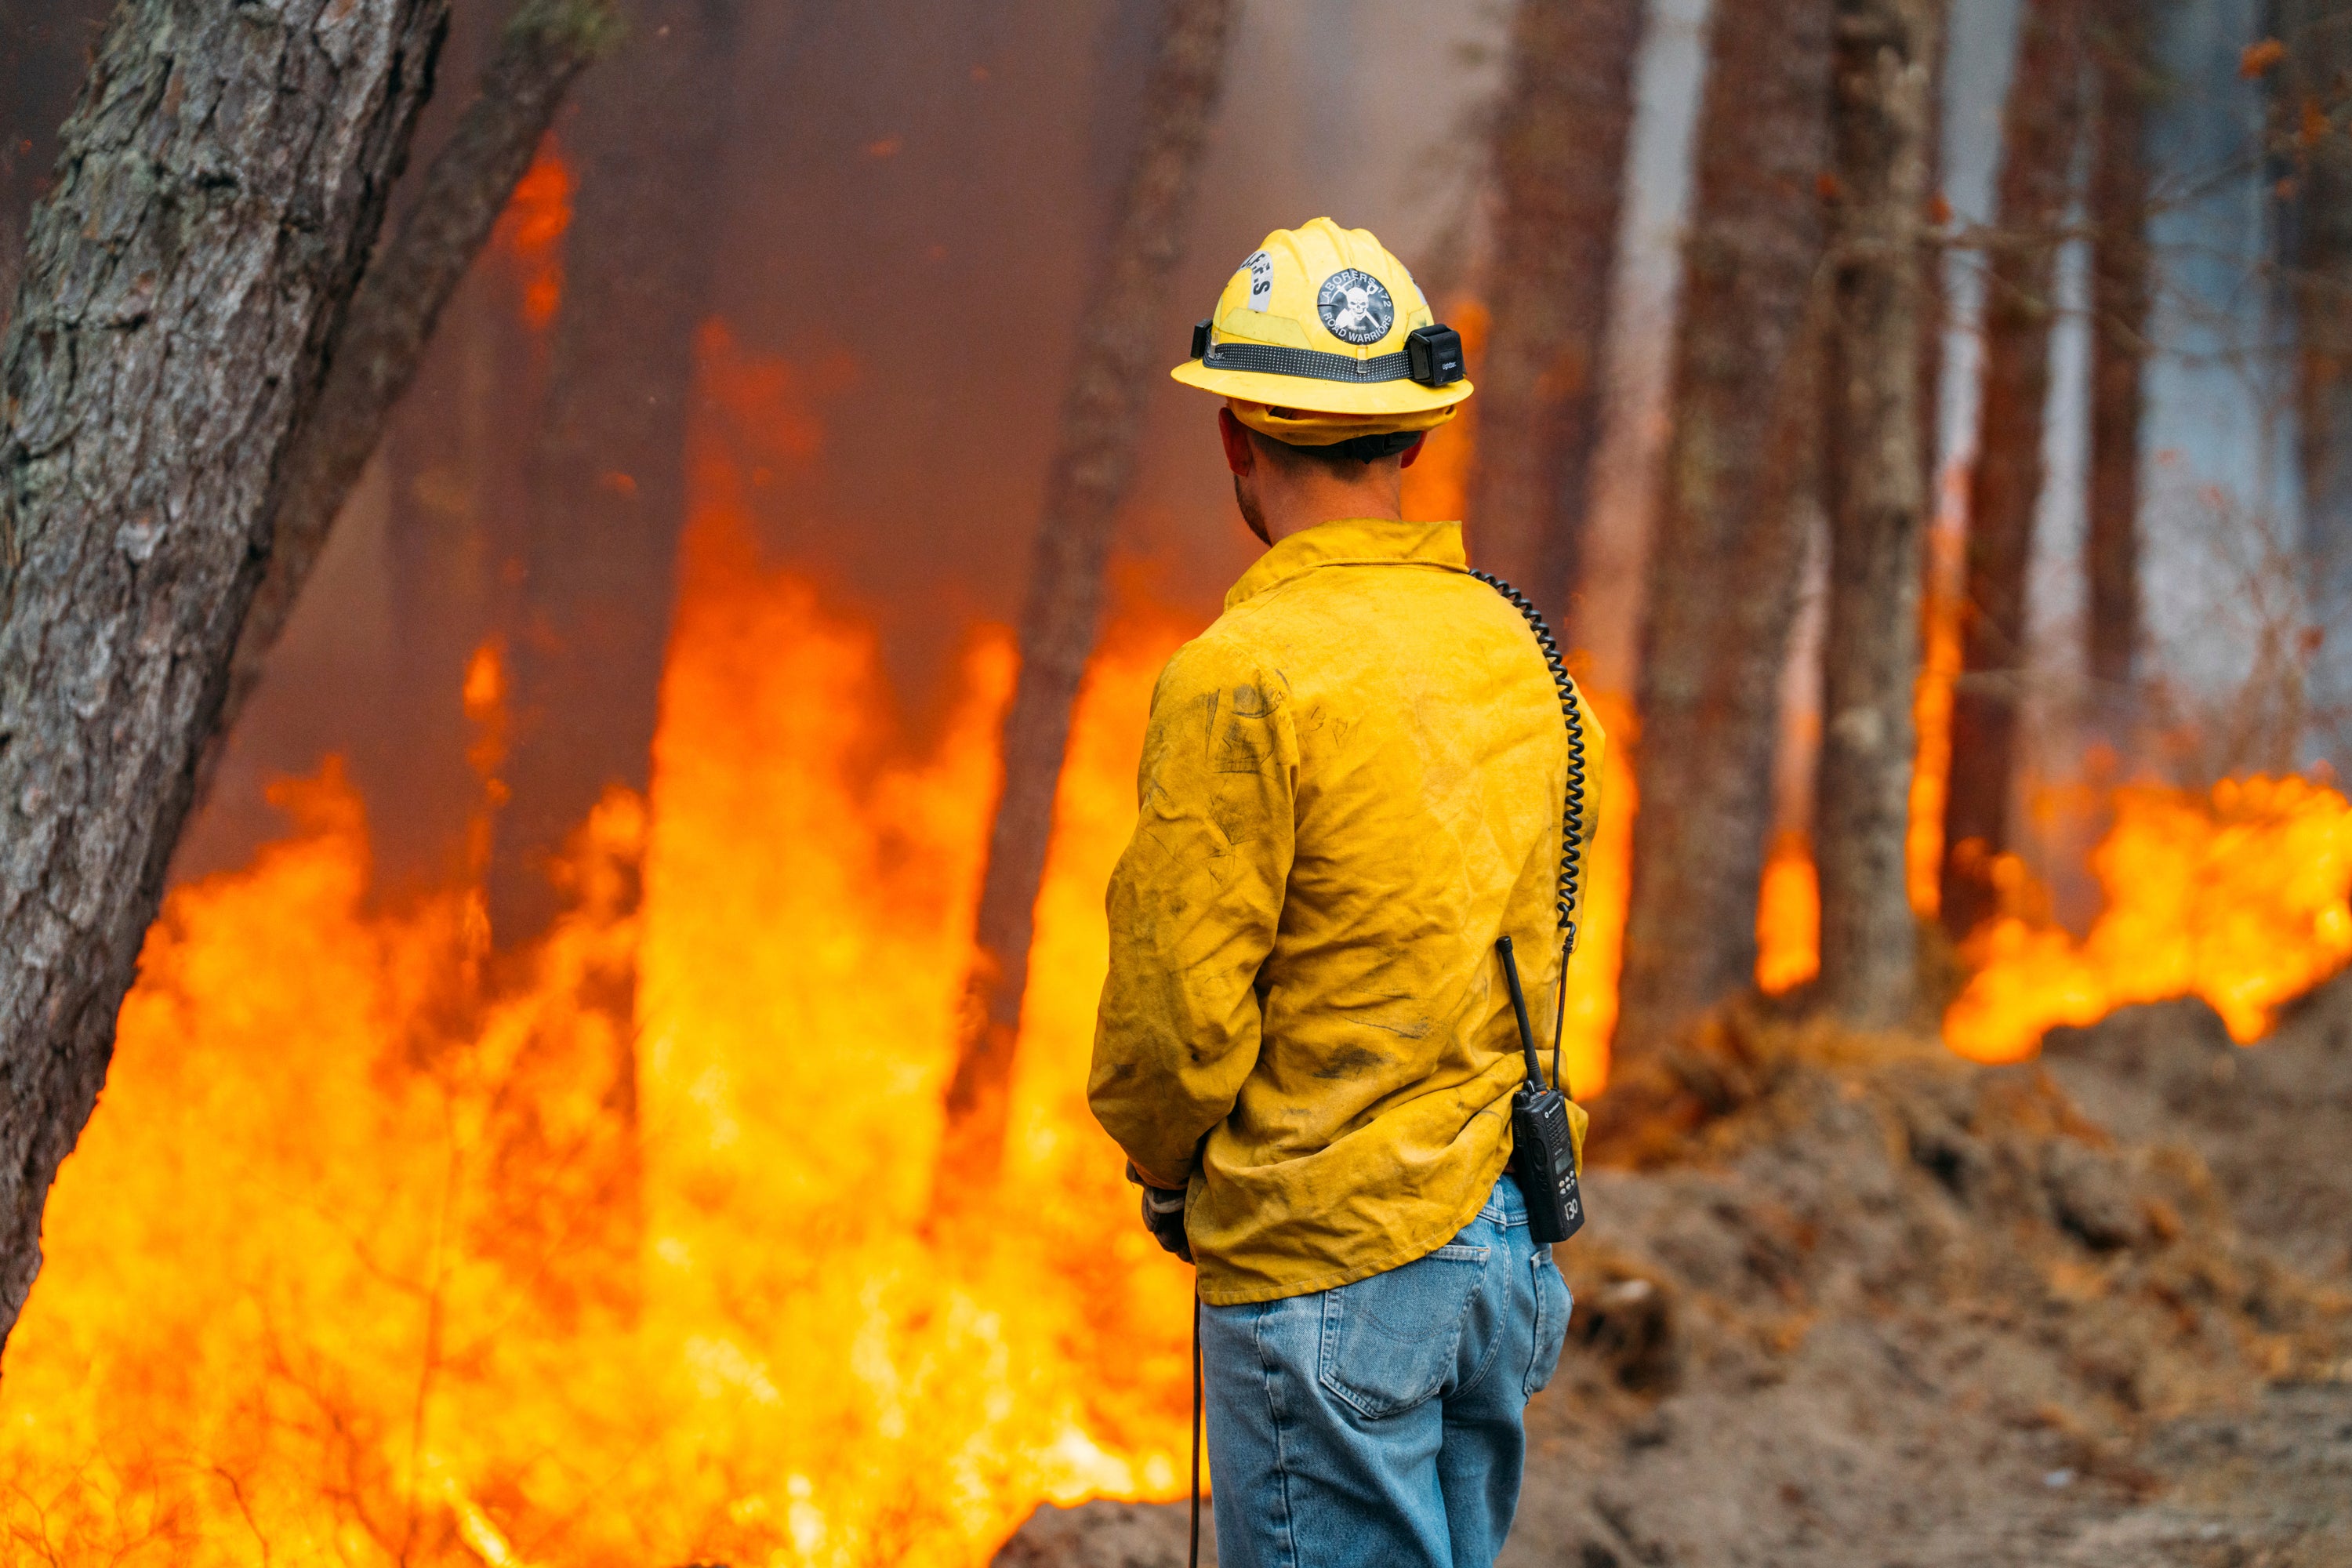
2040	129
1122	345
1882	127
2120	286
2315	85
1935	305
547	44
221	180
608	476
1726	559
458	500
1560	158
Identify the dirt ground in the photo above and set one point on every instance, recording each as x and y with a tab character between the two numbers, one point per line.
1869	1305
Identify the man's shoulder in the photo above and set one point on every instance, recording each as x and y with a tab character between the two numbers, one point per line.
1232	653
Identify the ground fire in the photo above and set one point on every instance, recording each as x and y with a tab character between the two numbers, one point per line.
348	1268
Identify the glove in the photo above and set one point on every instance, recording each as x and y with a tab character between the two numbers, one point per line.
1163	1215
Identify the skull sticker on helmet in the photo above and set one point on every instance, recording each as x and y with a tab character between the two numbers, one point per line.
1355	308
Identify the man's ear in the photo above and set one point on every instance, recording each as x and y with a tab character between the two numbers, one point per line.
1413	453
1235	435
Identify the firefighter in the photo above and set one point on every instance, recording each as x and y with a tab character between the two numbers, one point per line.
1351	786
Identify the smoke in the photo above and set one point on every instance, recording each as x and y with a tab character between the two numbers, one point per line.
916	206
917	195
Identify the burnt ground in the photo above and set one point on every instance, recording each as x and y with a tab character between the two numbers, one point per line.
1866	1304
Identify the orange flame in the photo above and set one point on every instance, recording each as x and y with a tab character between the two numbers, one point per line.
2238	896
1789	917
1788	905
1591	1000
1931	713
530	231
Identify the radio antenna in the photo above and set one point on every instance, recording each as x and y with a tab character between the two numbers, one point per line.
1519	1008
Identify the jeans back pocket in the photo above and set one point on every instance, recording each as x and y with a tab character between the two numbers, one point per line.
1553	1305
1391	1342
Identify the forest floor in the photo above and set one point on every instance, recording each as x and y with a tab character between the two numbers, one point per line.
1867	1304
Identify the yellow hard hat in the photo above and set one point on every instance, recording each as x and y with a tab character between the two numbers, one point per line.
1321	335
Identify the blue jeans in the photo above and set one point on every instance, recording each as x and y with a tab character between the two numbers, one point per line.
1379	1424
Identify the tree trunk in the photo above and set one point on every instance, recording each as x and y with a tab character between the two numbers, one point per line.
548	43
2315	83
1560	158
221	180
2041	128
1728	550
1122	345
1935	302
608	474
44	54
458	498
1882	127
2120	285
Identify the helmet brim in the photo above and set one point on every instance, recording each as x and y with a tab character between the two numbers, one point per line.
1320	396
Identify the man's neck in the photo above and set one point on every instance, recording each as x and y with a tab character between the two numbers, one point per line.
1302	507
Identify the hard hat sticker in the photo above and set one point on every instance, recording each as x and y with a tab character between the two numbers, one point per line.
1355	308
1261	271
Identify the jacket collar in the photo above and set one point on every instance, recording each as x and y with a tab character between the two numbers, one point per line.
1352	541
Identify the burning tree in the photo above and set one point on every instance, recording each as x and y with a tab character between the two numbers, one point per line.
2042	128
1120	345
608	474
1875	477
221	180
1726	556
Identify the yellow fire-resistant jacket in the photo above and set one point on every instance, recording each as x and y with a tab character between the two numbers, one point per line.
1352	784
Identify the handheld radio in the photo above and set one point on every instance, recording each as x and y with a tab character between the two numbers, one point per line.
1540	1140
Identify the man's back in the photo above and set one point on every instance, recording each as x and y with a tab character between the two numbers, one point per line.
1352	785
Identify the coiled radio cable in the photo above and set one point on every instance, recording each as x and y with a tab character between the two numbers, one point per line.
1572	824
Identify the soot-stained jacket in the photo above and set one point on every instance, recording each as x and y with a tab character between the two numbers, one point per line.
1351	787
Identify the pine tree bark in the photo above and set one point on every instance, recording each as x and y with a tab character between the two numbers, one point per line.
608	474
2314	84
548	43
220	182
2120	298
2042	126
44	55
1122	345
1883	125
1559	159
1728	550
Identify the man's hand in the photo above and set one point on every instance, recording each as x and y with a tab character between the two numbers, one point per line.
1163	1215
